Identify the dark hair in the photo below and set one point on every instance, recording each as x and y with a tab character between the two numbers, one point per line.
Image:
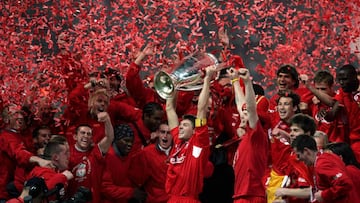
191	118
82	125
150	108
305	122
303	141
110	72
294	97
53	146
343	149
223	73
289	69
35	132
324	76
258	89
36	186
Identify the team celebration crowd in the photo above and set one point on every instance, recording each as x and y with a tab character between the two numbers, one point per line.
224	142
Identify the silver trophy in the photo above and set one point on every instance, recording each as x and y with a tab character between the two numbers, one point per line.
186	77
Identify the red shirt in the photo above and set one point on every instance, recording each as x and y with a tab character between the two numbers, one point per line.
250	163
331	178
12	154
137	90
87	168
337	130
188	161
354	174
280	151
351	102
153	178
116	185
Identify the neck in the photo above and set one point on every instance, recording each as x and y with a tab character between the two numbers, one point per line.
79	149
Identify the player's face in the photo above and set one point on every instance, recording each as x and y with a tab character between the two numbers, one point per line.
295	131
285	81
185	129
83	138
285	108
165	137
324	88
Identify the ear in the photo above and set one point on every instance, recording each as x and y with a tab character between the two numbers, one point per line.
295	108
35	140
55	157
74	136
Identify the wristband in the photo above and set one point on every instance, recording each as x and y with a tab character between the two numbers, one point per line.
234	80
200	122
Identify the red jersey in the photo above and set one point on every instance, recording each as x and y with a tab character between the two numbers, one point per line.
331	178
187	168
137	90
337	130
280	151
250	163
354	174
12	154
116	185
153	161
87	168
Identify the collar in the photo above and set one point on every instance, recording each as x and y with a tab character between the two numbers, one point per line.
166	151
80	150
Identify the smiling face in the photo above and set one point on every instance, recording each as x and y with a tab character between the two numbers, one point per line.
42	138
285	108
165	137
83	137
185	130
285	82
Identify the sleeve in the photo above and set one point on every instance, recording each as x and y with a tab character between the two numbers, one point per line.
15	150
112	191
305	95
201	137
55	179
51	178
122	111
340	183
136	88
